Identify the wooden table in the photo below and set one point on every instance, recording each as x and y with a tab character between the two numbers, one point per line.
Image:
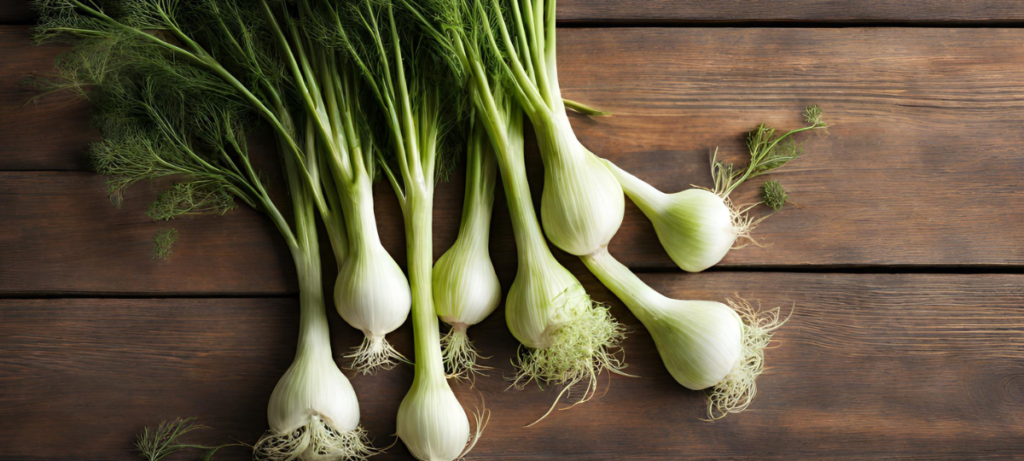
904	260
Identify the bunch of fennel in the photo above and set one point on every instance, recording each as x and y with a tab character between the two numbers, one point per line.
177	86
569	339
582	209
405	74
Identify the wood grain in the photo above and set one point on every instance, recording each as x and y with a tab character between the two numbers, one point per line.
841	11
48	133
920	168
673	11
895	366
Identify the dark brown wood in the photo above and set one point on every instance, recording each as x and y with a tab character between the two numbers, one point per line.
688	11
49	133
895	366
16	12
920	167
671	11
61	234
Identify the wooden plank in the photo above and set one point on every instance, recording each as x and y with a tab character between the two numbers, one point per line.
62	235
674	11
48	133
920	168
839	11
895	366
16	12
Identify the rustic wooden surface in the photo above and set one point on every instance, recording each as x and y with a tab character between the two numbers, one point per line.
904	261
719	11
870	366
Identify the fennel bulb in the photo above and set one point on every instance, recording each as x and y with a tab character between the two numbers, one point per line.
371	292
582	204
466	288
313	412
697	227
703	344
432	422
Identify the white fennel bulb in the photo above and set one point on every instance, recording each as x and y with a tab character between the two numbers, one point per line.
432	422
465	285
582	203
703	344
371	293
697	227
313	412
543	298
466	288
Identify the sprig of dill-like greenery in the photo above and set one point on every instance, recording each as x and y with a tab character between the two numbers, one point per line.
768	152
162	243
154	444
773	195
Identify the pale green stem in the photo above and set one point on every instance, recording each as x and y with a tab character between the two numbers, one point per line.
425	327
633	292
480	183
644	195
314	334
313	330
532	249
360	221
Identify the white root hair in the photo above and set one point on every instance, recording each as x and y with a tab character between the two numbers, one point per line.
742	223
460	357
481	416
373	354
587	345
735	393
316	441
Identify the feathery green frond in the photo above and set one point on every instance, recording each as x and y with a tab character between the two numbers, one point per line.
162	242
189	198
773	195
155	444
